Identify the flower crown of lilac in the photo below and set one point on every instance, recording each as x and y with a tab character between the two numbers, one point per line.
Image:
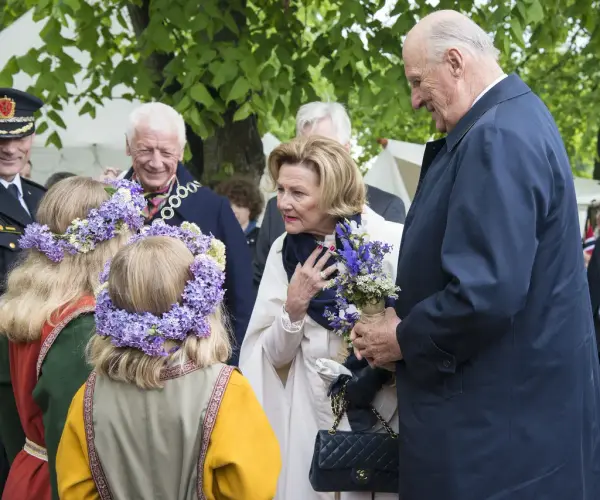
201	297
122	211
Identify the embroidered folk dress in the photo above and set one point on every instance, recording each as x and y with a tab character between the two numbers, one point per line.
203	436
45	374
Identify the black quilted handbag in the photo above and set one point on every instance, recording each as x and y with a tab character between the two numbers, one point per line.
354	461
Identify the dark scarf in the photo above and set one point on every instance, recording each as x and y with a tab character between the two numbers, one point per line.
296	249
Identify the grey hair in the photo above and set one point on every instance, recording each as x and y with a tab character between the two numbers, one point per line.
157	117
462	33
312	113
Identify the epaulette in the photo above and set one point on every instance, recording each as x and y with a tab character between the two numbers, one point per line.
34	184
9	229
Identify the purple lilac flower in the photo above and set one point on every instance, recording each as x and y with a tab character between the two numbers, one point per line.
39	237
197	243
122	210
200	298
103	277
360	258
132	186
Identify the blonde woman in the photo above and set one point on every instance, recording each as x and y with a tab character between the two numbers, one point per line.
289	341
161	415
46	313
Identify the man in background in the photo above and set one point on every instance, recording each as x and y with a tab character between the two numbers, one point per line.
57	177
328	119
156	141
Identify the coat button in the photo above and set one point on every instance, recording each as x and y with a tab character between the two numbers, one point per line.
11	245
446	363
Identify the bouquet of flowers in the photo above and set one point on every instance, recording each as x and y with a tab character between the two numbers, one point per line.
361	284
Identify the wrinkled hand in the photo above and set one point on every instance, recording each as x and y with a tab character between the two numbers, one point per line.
308	280
376	342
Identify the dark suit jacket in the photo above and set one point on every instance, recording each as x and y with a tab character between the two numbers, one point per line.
13	219
499	356
213	214
389	206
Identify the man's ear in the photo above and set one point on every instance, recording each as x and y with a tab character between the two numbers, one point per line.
456	61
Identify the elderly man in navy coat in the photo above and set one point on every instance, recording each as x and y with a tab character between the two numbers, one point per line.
498	386
156	141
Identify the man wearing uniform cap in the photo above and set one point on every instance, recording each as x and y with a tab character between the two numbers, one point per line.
19	199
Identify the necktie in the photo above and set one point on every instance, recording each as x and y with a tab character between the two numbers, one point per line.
13	190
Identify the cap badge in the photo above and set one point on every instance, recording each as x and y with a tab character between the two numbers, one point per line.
7	108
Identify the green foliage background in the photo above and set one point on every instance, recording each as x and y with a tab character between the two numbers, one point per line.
225	62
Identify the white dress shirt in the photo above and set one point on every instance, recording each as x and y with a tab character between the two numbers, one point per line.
17	182
488	88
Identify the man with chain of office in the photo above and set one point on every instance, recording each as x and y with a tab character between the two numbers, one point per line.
156	142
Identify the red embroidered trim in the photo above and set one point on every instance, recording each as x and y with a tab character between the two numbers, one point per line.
55	332
210	418
88	417
177	371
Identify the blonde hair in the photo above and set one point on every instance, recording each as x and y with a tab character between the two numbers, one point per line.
37	287
149	276
341	186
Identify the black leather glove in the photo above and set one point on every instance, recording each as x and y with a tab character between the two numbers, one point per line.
361	389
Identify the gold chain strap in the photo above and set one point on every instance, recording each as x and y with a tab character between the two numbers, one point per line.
339	406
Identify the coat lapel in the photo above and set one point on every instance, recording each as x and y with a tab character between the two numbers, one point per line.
32	199
11	208
187	211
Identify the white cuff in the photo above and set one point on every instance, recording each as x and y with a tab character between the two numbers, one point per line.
288	325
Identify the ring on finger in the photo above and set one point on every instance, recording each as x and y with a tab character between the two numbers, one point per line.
323	275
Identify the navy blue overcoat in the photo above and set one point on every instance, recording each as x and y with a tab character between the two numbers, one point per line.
498	392
213	214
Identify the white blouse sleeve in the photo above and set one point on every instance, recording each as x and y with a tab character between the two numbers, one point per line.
270	328
282	340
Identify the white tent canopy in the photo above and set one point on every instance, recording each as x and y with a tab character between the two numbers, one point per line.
397	168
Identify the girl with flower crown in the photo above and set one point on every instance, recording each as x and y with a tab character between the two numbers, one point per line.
161	415
46	313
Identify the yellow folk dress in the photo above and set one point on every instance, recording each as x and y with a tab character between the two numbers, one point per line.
241	461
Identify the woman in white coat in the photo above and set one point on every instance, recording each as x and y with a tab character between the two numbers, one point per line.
318	184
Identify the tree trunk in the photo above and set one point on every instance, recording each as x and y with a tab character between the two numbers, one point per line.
597	159
234	148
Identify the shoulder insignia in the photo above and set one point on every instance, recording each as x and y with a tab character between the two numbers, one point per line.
10	229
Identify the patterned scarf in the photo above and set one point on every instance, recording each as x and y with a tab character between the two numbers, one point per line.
156	199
